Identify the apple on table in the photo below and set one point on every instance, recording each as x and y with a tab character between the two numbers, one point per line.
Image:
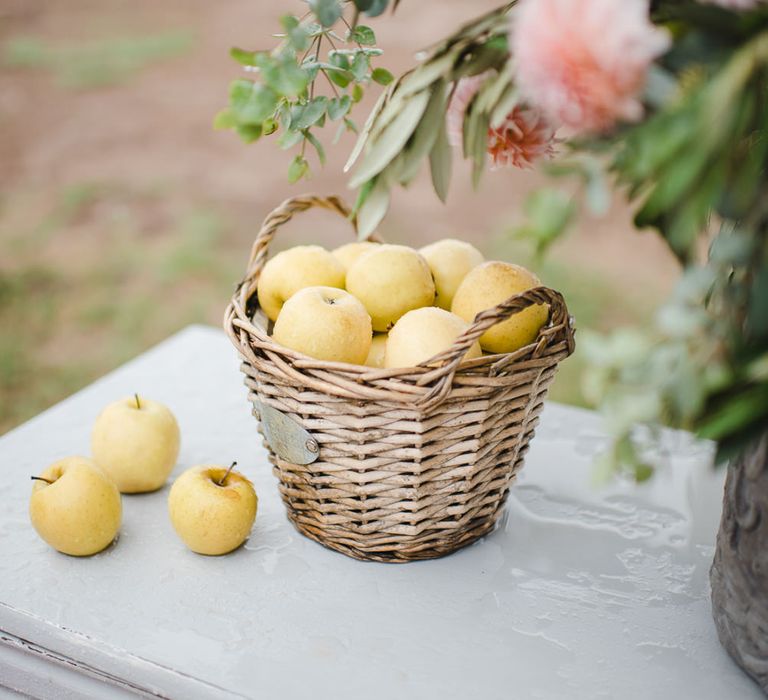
212	508
136	442
75	507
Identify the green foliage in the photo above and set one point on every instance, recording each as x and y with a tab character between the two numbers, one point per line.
548	213
91	64
284	97
407	125
696	168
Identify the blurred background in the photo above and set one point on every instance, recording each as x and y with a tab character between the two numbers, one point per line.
124	217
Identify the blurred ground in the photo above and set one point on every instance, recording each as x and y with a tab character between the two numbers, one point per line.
124	216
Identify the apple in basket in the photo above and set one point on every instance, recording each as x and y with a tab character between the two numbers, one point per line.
421	334
378	349
349	252
490	284
391	280
450	261
325	323
294	269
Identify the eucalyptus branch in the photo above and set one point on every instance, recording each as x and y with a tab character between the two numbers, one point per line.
284	97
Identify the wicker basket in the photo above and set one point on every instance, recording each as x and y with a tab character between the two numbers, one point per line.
400	464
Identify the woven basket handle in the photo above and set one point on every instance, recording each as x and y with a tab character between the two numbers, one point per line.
275	219
451	358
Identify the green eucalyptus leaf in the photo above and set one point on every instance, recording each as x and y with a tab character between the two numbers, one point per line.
372	8
283	74
292	79
297	169
250	102
357	93
304	116
360	65
224	120
362	35
339	106
297	34
391	141
249	132
340	129
269	126
289	138
246	58
382	76
317	145
342	76
327	11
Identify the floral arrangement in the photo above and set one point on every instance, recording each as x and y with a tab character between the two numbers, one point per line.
667	100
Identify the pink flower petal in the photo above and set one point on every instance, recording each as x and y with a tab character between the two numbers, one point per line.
584	62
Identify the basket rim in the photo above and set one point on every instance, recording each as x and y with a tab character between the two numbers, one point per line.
433	378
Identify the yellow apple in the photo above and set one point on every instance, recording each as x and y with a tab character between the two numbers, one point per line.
423	333
212	508
488	285
295	269
391	280
378	348
325	323
450	261
136	442
75	507
347	254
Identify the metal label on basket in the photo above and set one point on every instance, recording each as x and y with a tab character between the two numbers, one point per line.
287	439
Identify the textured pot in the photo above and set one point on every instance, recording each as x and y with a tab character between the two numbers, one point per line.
739	574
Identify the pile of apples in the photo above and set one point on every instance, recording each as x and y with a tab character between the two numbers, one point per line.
76	504
389	306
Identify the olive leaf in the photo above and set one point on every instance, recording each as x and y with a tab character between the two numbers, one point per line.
440	162
425	135
391	141
372	210
369	122
408	123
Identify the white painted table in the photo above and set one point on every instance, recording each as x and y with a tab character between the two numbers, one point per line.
580	593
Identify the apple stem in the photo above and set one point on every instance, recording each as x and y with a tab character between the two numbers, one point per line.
138	403
40	478
224	478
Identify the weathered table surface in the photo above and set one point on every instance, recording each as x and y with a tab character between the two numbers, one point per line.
580	593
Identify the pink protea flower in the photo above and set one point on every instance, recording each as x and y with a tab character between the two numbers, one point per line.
583	62
523	137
